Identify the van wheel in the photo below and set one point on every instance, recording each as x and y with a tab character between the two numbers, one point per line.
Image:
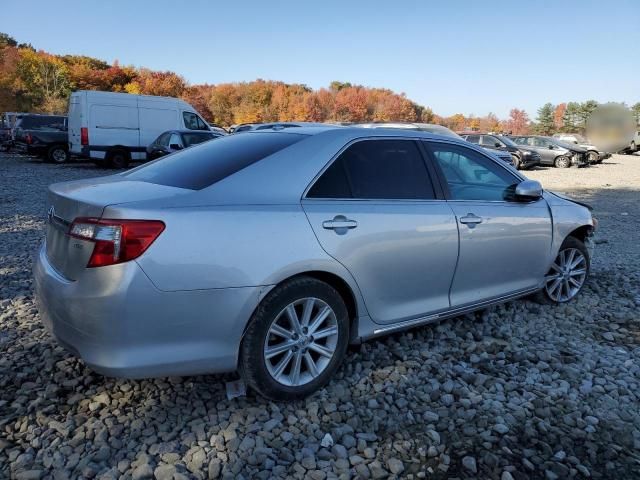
562	162
57	154
296	339
118	159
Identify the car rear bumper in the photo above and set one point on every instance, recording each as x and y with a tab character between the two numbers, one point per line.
29	149
121	325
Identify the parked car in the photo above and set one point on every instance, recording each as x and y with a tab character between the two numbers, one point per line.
175	140
237	255
42	135
5	136
594	155
115	128
552	151
634	144
435	129
523	157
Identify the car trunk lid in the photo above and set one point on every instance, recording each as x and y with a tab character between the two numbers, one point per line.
88	198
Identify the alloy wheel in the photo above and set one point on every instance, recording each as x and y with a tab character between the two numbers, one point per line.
567	275
301	341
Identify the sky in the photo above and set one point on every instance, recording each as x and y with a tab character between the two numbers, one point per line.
470	57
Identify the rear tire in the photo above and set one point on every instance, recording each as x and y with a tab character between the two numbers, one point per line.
303	363
57	154
516	162
118	159
592	157
632	147
562	162
567	275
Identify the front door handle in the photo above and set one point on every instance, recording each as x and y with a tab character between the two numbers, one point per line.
340	224
471	220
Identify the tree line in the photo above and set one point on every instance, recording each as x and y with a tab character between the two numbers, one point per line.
37	81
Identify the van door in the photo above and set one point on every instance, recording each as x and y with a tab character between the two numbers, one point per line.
111	125
75	122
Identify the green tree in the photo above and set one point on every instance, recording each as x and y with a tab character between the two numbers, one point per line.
45	78
7	40
635	109
571	117
585	111
545	121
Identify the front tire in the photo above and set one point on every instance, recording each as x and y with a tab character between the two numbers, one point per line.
57	154
562	162
592	157
568	273
296	340
516	162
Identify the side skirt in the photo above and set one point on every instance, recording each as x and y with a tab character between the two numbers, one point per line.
377	330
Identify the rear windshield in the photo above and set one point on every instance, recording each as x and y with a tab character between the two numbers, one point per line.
203	165
43	122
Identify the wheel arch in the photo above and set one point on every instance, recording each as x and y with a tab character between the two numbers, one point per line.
347	292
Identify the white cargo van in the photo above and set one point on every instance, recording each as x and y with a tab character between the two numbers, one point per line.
114	128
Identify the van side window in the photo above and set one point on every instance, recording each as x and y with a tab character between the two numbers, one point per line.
193	121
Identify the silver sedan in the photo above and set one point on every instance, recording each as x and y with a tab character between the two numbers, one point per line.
270	251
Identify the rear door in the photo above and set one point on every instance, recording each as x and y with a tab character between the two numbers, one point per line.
75	116
503	243
375	210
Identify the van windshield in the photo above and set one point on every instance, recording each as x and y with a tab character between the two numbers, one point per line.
205	164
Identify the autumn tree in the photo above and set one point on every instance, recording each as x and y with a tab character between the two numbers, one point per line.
45	78
518	122
558	115
350	105
148	82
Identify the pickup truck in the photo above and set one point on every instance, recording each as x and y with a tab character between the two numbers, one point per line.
44	136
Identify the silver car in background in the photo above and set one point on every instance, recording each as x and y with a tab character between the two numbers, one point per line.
269	252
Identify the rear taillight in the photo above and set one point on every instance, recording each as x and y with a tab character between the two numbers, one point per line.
116	241
84	136
28	138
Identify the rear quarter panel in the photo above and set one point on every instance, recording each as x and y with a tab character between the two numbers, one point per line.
232	247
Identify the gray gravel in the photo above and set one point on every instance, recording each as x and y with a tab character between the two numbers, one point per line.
517	391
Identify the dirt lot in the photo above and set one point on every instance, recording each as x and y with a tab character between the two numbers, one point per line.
517	391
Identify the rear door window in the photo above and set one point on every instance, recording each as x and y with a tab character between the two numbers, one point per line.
195	138
473	138
376	169
203	165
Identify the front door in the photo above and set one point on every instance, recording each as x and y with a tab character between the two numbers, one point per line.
375	211
503	243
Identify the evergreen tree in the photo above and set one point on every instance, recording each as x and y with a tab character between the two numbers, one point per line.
545	121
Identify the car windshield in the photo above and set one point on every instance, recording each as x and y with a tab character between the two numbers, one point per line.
203	165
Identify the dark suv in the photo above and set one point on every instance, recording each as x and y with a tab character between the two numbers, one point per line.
554	152
523	157
44	136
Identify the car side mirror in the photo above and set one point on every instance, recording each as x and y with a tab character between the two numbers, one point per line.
497	144
550	147
175	146
528	190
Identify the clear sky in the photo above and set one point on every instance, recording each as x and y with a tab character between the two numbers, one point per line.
470	57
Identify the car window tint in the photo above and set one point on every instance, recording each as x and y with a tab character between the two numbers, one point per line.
490	141
473	138
195	138
163	139
205	164
376	169
472	176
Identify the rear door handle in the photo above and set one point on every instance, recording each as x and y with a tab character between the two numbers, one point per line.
340	224
471	220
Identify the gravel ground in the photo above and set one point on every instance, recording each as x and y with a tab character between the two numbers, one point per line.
516	391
